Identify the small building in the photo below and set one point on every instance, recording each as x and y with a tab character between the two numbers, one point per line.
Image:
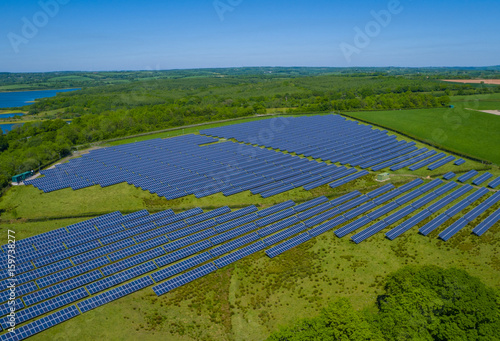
383	177
23	176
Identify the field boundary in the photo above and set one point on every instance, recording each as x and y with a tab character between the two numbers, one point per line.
474	158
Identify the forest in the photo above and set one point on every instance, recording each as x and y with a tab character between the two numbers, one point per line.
138	102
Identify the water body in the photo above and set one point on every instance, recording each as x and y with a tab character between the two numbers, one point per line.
11	115
22	98
8	126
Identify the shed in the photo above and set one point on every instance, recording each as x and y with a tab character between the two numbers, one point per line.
383	176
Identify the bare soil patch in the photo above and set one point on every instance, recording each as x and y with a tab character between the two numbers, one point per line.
474	81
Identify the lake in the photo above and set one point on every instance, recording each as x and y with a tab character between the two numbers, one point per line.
13	114
7	127
22	98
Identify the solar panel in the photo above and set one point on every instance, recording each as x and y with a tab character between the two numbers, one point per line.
379	191
269	229
449	175
239	254
284	234
352	226
121	277
45	307
234	244
467	176
399	215
453	229
187	277
236	222
273	209
479	180
131	261
235	214
183	253
487	223
180	266
310	203
359	210
494	183
113	294
433	224
233	233
42	324
321	217
327	226
408	224
369	231
287	245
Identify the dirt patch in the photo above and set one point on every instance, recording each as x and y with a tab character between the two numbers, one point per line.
494	112
474	81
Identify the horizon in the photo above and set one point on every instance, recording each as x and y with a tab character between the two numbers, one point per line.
76	36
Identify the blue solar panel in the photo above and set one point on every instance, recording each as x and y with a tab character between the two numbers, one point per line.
408	224
459	162
235	214
359	210
327	226
399	215
113	294
274	217
379	191
467	176
453	229
62	287
236	222
131	261
45	307
449	175
342	199
288	244
233	233
352	226
382	210
479	180
191	229
310	203
180	266
269	229
369	231
42	324
239	254
322	217
121	277
353	203
494	183
434	224
187	277
487	223
284	234
234	244
183	253
273	209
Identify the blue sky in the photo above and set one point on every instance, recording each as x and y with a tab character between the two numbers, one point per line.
96	35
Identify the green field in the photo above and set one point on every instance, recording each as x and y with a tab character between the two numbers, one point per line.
459	130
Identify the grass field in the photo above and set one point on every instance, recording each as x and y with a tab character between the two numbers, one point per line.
457	129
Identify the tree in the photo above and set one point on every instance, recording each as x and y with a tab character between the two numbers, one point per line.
431	303
338	321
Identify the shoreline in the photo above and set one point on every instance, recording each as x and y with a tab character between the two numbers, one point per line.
5	91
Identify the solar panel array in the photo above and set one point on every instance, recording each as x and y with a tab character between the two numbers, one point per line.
85	265
331	137
179	166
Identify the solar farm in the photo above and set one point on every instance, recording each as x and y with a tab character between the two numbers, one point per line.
74	269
